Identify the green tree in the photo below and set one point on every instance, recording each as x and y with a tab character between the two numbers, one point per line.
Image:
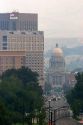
4	115
20	92
75	96
42	117
24	74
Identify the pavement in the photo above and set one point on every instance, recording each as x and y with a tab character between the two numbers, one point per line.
67	121
57	104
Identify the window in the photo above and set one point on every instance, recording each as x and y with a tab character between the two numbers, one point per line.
4	38
13	25
4	44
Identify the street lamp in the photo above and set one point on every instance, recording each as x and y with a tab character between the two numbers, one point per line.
54	117
49	110
52	112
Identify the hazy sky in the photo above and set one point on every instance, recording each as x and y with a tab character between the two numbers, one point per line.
58	18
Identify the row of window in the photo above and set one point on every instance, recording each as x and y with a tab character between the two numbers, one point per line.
13	25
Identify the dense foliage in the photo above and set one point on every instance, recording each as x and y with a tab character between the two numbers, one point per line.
21	94
75	96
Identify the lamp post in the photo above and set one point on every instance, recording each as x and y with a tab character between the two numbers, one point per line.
49	110
51	117
54	117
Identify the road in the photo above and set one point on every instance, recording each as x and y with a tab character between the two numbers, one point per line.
56	105
66	121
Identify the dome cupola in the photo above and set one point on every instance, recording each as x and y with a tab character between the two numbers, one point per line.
57	51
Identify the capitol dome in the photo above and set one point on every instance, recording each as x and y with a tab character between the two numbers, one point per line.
56	75
57	51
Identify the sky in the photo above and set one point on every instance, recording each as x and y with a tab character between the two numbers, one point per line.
57	18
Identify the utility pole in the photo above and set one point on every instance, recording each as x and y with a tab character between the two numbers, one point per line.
49	110
54	117
51	117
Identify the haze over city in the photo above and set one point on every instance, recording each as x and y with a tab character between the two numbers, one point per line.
41	62
58	18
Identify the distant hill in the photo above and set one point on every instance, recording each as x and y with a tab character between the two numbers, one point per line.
73	51
50	43
68	51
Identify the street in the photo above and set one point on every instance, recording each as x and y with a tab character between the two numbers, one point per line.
54	104
62	116
66	121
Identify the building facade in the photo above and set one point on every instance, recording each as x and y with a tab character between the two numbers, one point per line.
56	73
18	21
25	45
11	59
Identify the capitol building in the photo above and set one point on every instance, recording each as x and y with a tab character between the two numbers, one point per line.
56	71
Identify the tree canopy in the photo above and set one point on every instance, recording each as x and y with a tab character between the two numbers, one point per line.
75	96
20	93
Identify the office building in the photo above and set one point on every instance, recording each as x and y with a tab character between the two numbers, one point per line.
21	46
19	21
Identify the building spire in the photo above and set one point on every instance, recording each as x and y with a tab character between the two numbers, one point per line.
56	45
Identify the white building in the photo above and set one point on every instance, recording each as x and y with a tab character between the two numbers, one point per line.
56	74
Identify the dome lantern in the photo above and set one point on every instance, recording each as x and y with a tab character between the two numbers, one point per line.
57	51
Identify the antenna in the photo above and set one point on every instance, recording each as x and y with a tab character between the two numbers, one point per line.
15	11
56	45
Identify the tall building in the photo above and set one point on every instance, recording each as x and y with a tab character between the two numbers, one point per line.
56	73
18	21
22	47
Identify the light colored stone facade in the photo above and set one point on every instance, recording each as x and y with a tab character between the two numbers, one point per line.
56	73
30	43
11	59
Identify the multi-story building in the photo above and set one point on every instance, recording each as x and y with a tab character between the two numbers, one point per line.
25	45
56	73
18	21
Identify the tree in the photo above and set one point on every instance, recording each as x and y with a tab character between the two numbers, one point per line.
75	96
42	116
24	74
20	92
4	115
